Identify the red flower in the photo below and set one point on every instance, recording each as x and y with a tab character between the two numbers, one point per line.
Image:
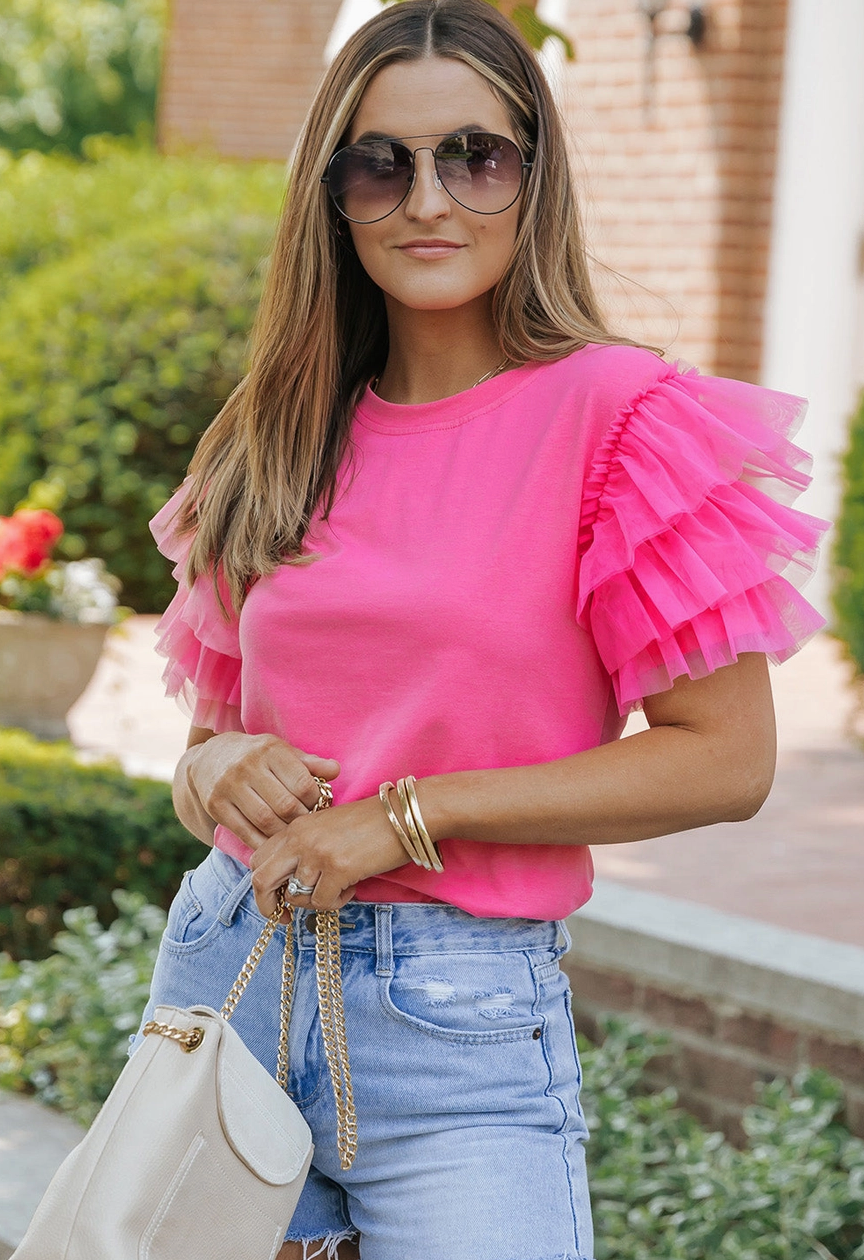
27	539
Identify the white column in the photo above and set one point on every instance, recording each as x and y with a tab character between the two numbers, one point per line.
812	337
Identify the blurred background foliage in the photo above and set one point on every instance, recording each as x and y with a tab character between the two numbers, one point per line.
75	68
849	547
131	281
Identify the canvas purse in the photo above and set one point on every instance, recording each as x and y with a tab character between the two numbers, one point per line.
198	1153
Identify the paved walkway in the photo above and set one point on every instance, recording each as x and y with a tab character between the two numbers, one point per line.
799	864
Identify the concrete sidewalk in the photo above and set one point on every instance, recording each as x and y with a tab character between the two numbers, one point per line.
799	864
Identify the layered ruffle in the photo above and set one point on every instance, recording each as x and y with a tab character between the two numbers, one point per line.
689	551
202	646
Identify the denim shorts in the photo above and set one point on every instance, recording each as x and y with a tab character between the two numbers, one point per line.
463	1060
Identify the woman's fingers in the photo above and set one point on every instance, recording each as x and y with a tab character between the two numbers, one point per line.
255	784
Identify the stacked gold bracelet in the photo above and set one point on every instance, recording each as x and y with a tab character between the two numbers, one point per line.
416	841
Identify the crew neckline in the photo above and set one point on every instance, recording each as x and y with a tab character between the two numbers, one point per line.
376	413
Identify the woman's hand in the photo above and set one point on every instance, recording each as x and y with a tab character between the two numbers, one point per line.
330	851
255	784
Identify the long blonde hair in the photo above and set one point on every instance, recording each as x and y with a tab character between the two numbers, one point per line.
271	456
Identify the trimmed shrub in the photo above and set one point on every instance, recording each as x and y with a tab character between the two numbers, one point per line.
663	1186
849	547
70	834
114	359
65	1021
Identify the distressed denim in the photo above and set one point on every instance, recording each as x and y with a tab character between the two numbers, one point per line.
463	1059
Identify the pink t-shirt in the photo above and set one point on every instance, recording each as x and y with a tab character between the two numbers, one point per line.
505	573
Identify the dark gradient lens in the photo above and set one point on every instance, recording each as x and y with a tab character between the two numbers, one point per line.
482	172
368	181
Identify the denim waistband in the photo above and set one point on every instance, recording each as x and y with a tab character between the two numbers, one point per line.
385	928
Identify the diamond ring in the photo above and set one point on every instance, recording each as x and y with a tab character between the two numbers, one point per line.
296	889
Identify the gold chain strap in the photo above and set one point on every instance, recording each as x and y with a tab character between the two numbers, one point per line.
328	974
328	969
247	971
331	1009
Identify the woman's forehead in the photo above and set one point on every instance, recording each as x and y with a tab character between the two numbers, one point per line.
431	96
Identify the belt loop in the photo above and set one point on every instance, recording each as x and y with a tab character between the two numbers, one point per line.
384	939
231	904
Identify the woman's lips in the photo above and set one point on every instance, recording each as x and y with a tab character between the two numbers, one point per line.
430	250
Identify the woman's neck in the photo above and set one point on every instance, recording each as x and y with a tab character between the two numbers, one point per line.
435	354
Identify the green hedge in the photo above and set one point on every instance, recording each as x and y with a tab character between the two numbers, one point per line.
849	546
117	352
70	834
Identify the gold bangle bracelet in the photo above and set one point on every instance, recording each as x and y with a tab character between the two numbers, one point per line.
411	806
384	794
411	826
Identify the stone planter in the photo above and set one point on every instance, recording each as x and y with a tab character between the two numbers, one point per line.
44	667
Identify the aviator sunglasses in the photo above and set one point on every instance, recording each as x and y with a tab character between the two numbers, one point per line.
480	171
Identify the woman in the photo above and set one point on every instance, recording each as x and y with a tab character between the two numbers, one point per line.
459	529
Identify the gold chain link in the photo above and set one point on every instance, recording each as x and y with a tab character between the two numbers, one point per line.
189	1038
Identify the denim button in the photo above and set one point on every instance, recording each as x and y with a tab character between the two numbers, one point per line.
537	1034
311	922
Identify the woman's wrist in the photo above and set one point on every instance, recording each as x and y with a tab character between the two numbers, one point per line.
187	802
439	802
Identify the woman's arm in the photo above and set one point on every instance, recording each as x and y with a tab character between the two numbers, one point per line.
707	757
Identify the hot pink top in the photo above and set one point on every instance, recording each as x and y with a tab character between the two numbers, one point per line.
505	573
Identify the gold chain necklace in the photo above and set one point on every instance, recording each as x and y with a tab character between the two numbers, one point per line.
487	376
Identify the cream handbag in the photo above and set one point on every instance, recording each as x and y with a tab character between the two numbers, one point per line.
198	1153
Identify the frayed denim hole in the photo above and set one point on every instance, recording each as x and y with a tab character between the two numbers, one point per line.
497	1004
436	990
329	1247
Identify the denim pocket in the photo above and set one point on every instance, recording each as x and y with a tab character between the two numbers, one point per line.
193	919
463	998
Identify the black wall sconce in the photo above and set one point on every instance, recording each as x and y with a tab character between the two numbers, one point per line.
694	31
696	21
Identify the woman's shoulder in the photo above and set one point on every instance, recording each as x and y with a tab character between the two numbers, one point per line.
605	377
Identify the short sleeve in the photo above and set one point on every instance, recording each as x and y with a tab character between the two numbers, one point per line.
690	552
202	647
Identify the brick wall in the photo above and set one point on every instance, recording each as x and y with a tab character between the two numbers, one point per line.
680	171
718	1050
679	177
238	75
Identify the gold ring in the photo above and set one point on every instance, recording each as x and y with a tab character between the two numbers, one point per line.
325	795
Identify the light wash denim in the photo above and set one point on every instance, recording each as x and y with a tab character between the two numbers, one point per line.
463	1059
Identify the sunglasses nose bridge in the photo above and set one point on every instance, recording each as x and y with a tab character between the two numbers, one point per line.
426	148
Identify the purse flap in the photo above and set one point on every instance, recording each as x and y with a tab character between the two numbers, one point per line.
262	1125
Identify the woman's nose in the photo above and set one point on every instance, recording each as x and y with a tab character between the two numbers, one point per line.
428	198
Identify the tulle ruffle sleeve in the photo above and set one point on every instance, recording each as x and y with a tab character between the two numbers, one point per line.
689	551
201	647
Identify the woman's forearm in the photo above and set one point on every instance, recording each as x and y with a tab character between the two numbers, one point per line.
646	785
187	804
710	759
